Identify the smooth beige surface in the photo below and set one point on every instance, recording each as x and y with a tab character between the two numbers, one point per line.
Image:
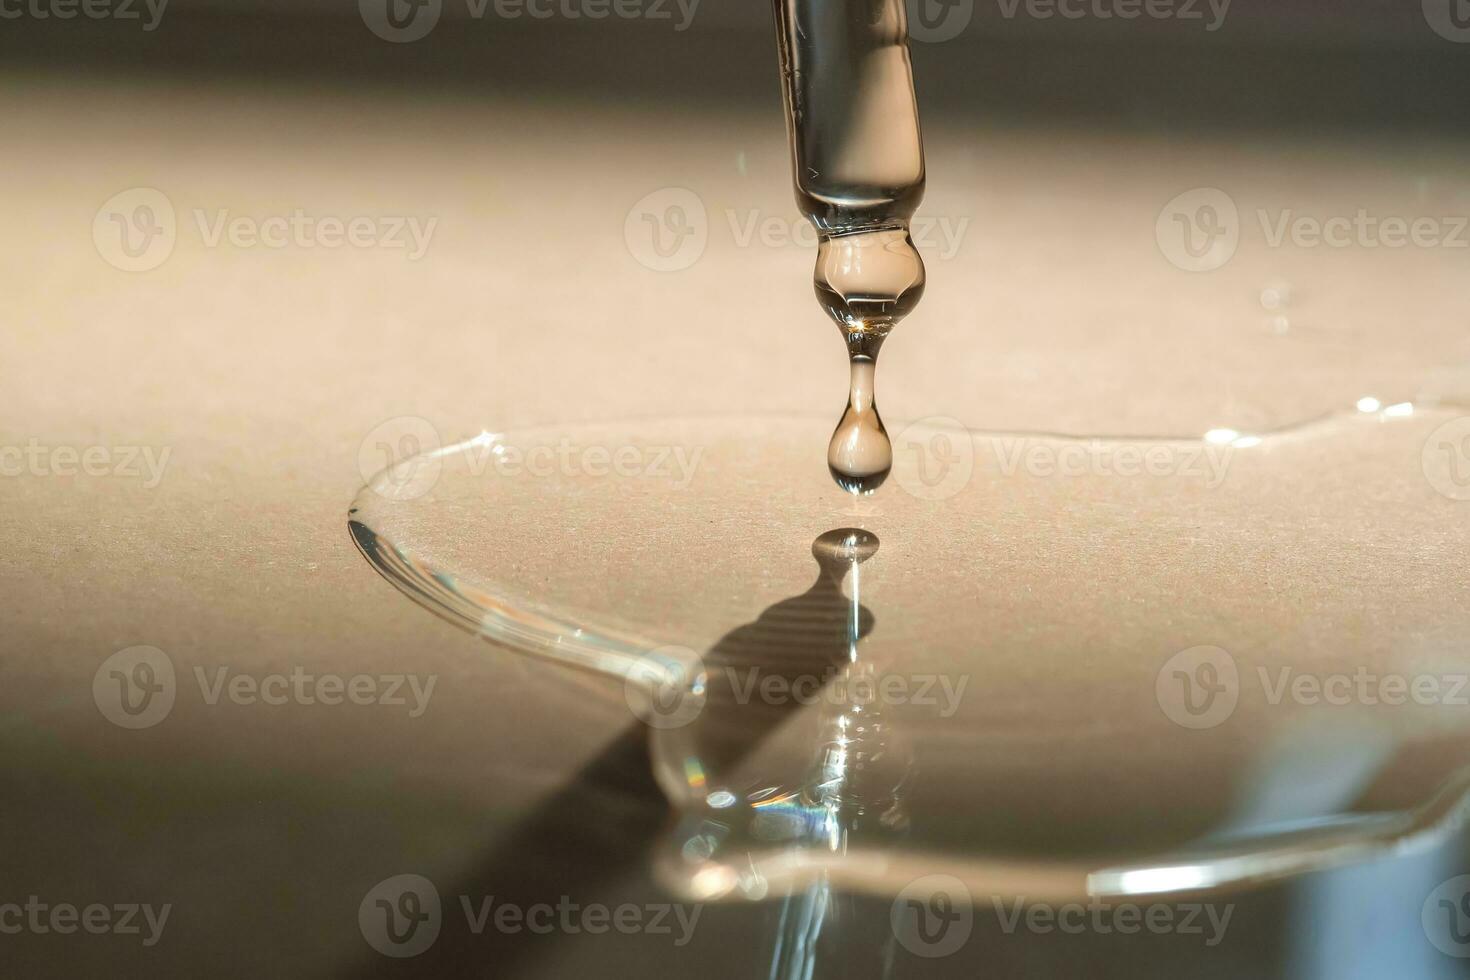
262	371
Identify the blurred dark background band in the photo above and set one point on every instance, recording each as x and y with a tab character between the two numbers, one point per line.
1192	64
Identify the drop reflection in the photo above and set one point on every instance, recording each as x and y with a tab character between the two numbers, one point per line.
792	748
791	753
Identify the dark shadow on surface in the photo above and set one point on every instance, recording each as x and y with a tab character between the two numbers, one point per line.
797	641
590	841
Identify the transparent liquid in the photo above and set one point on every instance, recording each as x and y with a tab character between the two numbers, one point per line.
858	164
1058	640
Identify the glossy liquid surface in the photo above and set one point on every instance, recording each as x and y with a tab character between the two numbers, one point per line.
1017	658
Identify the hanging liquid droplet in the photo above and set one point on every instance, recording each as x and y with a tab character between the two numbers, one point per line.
860	455
859	167
866	282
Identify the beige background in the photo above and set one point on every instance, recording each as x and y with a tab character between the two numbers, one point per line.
262	371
